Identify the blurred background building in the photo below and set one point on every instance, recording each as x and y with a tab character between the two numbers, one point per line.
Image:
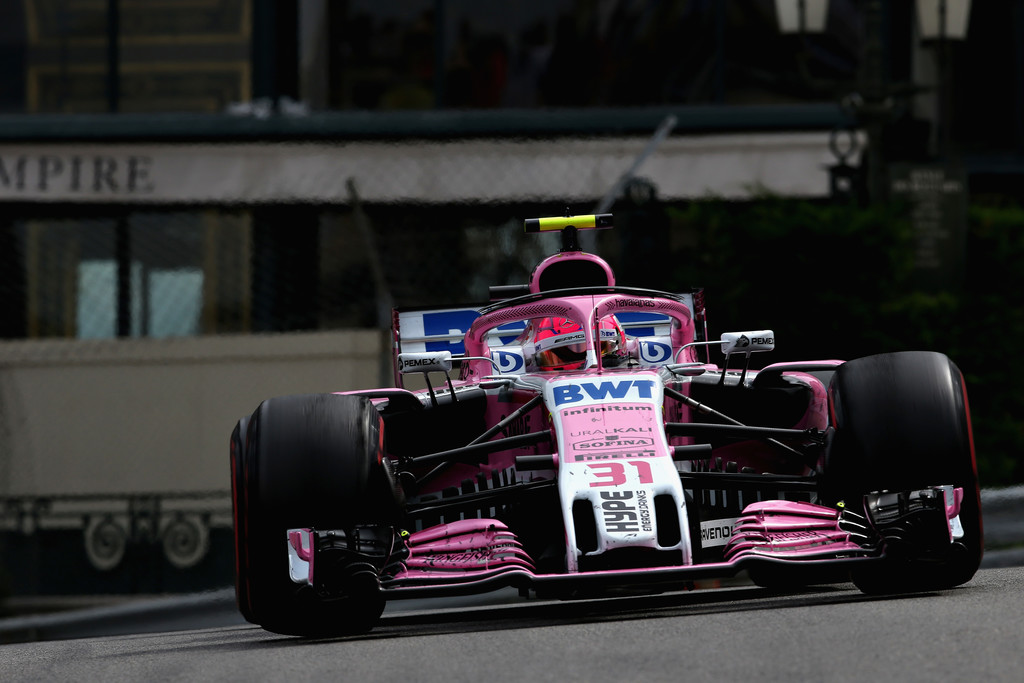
179	178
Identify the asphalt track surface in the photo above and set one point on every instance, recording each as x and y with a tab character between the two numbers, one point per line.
828	633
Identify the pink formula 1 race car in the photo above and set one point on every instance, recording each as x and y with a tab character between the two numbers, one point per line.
573	438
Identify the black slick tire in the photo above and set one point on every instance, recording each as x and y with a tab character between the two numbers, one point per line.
902	423
311	461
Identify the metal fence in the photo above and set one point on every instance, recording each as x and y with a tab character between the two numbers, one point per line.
161	240
163	273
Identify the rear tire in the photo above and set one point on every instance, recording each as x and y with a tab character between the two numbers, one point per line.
311	461
902	423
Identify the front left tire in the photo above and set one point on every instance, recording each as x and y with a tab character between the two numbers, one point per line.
309	461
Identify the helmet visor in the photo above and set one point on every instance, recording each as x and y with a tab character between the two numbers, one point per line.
572	356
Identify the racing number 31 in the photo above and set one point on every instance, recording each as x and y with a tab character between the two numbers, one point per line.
614	473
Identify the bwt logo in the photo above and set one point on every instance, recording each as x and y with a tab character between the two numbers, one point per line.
573	393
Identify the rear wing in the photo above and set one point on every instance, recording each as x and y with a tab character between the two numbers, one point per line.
444	329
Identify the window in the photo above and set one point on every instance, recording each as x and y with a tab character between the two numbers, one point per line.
138	273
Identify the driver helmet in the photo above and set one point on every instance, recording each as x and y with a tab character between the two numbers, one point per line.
560	344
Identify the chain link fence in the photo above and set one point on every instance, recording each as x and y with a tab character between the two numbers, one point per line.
127	272
154	273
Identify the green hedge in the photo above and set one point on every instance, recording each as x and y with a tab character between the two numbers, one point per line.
839	282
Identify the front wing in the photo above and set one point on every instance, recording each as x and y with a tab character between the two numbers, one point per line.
480	555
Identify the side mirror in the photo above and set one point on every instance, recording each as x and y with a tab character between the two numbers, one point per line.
746	343
433	361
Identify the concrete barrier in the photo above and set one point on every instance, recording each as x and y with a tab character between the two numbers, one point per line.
1003	516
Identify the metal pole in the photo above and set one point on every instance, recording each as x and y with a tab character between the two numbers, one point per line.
122	234
113	56
944	88
385	300
440	23
123	258
875	108
666	126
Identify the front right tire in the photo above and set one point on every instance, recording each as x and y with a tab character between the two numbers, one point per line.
902	423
